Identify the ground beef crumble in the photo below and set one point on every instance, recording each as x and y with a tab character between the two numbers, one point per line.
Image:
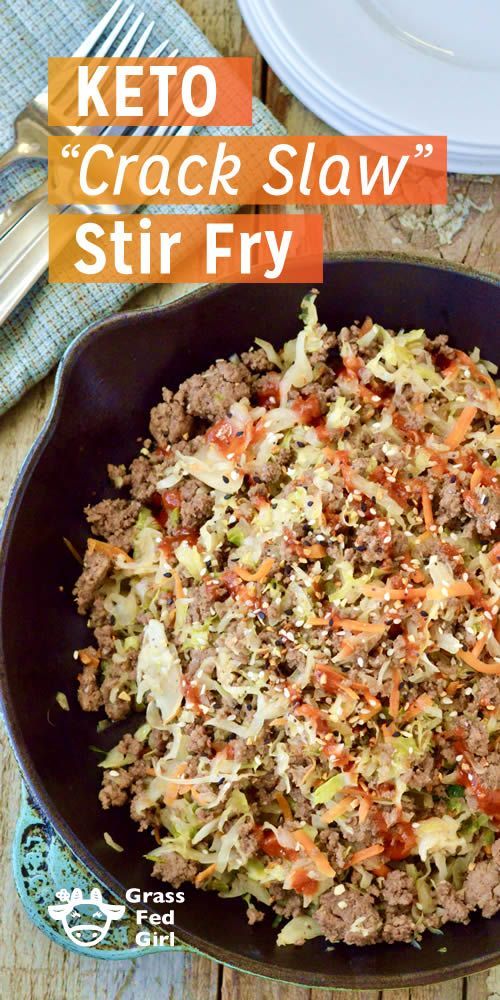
114	520
174	870
209	396
351	917
96	566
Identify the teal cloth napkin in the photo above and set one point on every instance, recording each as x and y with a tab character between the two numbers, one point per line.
34	337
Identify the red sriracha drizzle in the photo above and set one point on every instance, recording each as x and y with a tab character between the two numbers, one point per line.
192	695
269	394
488	799
270	845
307	409
399	840
228	439
169	544
163	503
302	883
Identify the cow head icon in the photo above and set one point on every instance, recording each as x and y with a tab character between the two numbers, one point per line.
85	920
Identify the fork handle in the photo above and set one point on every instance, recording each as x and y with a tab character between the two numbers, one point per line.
24	255
20	151
15	210
10	156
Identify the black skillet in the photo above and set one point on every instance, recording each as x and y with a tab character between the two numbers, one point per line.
109	379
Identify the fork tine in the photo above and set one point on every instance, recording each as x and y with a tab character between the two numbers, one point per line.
121	49
108	42
138	47
177	130
85	47
159	49
145	129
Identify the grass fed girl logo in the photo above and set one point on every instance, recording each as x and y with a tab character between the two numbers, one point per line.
85	920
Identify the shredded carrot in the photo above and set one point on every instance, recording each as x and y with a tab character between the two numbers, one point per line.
113	551
417	706
364	808
481	643
366	326
333	680
395	693
476	478
367	852
480	375
427	508
260	574
89	659
388	732
479	665
450	371
458	589
178	588
206	873
423	537
494	554
338	809
372	709
439	458
318	719
330	454
354	625
460	427
346	648
319	859
315	551
284	806
173	789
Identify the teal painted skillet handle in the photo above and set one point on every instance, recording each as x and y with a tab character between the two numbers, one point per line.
43	866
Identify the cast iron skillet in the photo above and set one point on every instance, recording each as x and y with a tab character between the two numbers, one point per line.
109	379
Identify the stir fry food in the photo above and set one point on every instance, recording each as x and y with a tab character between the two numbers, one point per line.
300	592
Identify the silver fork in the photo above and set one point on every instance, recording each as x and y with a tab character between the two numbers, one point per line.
24	249
31	126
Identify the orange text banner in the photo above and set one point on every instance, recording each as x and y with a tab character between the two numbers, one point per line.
190	248
142	92
264	170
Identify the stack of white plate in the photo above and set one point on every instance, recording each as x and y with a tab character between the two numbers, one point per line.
392	67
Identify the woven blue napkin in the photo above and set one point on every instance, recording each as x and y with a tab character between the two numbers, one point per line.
34	337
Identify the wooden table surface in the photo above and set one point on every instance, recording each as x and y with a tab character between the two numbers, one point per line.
467	231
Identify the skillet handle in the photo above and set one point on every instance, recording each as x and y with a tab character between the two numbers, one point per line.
43	865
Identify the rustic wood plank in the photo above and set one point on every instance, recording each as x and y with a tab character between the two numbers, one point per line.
476	987
345	994
238	986
493	984
451	990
